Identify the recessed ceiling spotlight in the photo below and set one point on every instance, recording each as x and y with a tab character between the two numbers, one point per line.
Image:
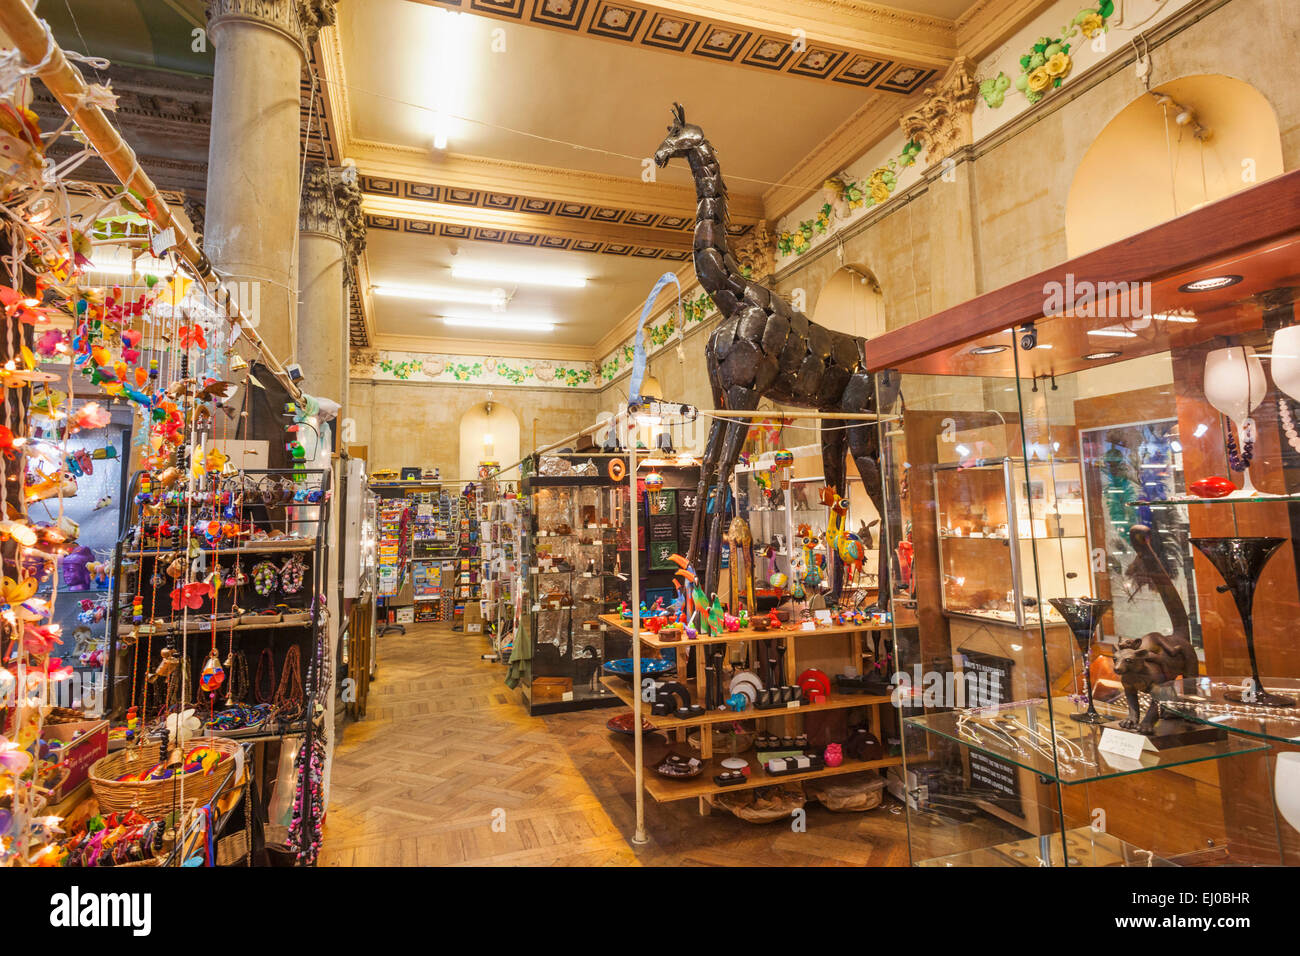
1101	356
988	349
1206	285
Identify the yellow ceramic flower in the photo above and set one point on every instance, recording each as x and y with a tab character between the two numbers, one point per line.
1058	65
799	239
879	191
1091	24
1039	79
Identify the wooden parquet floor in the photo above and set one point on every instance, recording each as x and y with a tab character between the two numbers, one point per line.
445	747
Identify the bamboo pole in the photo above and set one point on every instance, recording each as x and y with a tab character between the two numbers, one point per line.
33	40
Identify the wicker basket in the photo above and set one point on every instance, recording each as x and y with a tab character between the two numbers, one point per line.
156	798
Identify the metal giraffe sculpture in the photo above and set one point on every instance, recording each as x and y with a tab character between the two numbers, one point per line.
763	347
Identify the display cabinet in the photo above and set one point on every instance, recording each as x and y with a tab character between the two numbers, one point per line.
578	560
1097	512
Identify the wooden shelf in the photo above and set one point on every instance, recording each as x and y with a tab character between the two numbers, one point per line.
650	639
623	690
665	790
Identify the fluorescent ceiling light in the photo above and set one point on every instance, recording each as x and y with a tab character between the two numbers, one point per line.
1101	356
1114	332
451	52
514	276
493	297
500	323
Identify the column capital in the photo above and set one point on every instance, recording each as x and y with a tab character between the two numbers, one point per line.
942	123
299	20
331	205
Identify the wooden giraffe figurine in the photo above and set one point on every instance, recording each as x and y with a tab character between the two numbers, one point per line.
741	540
763	347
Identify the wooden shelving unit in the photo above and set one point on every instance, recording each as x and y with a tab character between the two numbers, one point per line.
664	789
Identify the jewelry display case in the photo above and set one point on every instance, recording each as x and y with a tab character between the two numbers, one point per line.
1123	688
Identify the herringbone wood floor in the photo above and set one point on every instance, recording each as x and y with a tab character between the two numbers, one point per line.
446	743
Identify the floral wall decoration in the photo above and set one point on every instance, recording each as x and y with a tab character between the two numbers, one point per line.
1048	62
383	365
850	195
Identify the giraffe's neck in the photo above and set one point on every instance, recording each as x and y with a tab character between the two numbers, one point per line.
711	216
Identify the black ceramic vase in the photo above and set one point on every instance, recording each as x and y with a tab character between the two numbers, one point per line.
1082	616
1241	561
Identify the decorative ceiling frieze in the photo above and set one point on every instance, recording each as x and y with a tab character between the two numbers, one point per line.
848	42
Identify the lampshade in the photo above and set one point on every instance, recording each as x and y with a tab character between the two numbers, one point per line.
1286	360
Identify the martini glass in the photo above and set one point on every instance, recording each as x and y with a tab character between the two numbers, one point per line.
1082	615
1241	561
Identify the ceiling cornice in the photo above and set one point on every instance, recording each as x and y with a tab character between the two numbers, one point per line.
389	161
623	329
416	210
851	42
873	121
499	348
333	80
987	23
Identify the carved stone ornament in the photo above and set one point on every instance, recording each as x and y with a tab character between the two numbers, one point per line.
301	20
331	205
758	251
942	123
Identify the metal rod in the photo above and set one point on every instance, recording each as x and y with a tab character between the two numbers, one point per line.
36	44
639	838
543	450
773	413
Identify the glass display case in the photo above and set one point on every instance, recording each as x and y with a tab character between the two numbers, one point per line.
1097	513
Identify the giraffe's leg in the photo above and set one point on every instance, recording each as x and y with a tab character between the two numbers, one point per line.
708	467
834	443
742	400
865	446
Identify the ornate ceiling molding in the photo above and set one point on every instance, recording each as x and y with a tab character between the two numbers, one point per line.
873	121
521	228
415	164
988	23
854	43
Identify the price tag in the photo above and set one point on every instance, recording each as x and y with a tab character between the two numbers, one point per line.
1124	744
808	626
536	608
792	705
567	695
586	574
162	241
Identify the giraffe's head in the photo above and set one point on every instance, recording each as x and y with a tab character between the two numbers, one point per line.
681	139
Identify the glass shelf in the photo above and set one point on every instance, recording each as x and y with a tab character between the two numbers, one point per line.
1039	714
1228	500
1083	846
1205	701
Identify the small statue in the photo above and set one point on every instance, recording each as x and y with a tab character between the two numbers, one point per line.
1143	662
1154	658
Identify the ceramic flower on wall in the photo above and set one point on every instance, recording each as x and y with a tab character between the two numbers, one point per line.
1048	62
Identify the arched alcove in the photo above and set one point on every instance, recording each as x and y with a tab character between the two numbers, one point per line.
488	432
851	302
1145	167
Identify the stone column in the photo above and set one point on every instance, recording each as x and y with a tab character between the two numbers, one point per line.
330	238
253	154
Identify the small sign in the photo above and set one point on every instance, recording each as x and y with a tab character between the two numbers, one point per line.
162	241
567	695
1122	743
792	705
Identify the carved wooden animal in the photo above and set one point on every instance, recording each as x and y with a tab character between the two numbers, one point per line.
1154	658
741	540
763	347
